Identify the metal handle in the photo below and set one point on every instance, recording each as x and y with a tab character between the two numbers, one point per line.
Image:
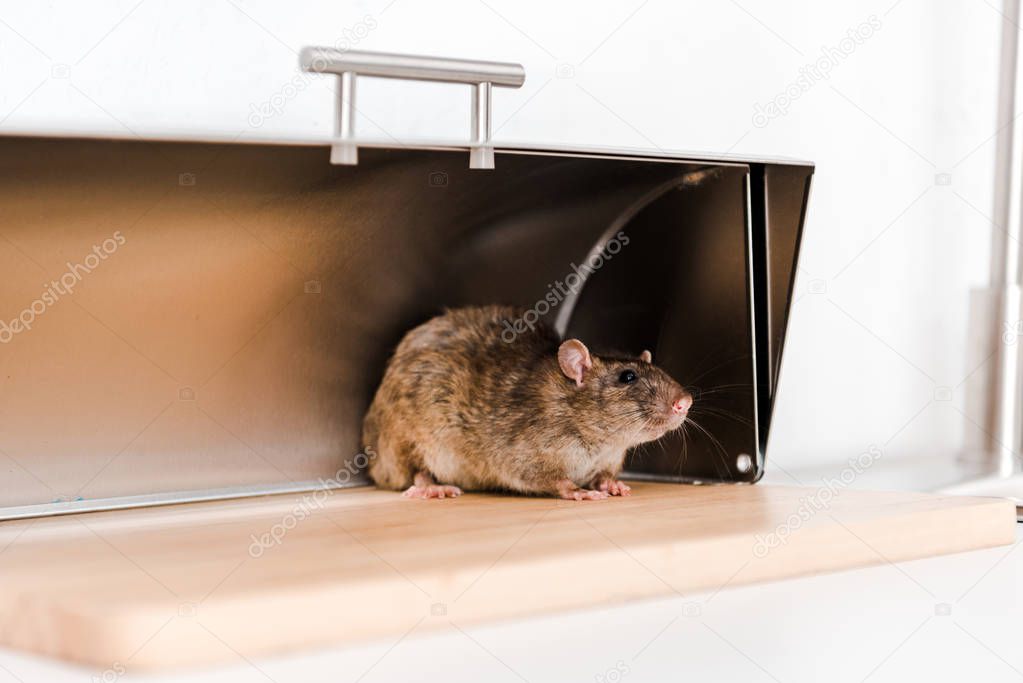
482	76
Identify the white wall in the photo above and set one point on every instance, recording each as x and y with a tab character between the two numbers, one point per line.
889	257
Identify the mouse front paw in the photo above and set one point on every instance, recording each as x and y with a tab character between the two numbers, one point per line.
569	491
613	486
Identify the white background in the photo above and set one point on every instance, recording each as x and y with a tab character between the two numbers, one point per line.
889	256
879	325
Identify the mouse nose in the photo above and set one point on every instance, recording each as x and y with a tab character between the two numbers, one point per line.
681	406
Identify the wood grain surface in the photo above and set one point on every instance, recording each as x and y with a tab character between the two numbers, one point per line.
219	581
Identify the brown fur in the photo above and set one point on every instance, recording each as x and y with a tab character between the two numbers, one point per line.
479	412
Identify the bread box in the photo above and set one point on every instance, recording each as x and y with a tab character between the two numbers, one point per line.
185	319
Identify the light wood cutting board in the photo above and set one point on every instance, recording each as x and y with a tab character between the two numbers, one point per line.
210	582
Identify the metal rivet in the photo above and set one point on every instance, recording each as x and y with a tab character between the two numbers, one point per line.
744	463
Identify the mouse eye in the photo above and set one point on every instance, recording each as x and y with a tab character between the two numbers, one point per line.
627	377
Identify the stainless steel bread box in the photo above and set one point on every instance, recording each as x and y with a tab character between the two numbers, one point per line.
189	319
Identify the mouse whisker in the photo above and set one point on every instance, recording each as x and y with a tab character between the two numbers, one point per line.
723	389
716	367
714	411
685	448
718	447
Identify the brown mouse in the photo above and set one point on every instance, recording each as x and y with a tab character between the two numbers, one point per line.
464	405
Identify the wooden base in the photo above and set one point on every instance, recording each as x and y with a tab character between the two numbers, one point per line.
209	582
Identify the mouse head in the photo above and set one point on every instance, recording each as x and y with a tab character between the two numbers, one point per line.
635	400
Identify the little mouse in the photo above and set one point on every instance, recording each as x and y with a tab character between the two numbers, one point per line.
464	405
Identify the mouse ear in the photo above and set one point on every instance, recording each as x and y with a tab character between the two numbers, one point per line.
646	357
574	359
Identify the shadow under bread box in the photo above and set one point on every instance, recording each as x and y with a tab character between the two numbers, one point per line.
190	320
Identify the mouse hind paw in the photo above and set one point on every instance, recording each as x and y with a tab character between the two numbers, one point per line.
432	491
425	486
